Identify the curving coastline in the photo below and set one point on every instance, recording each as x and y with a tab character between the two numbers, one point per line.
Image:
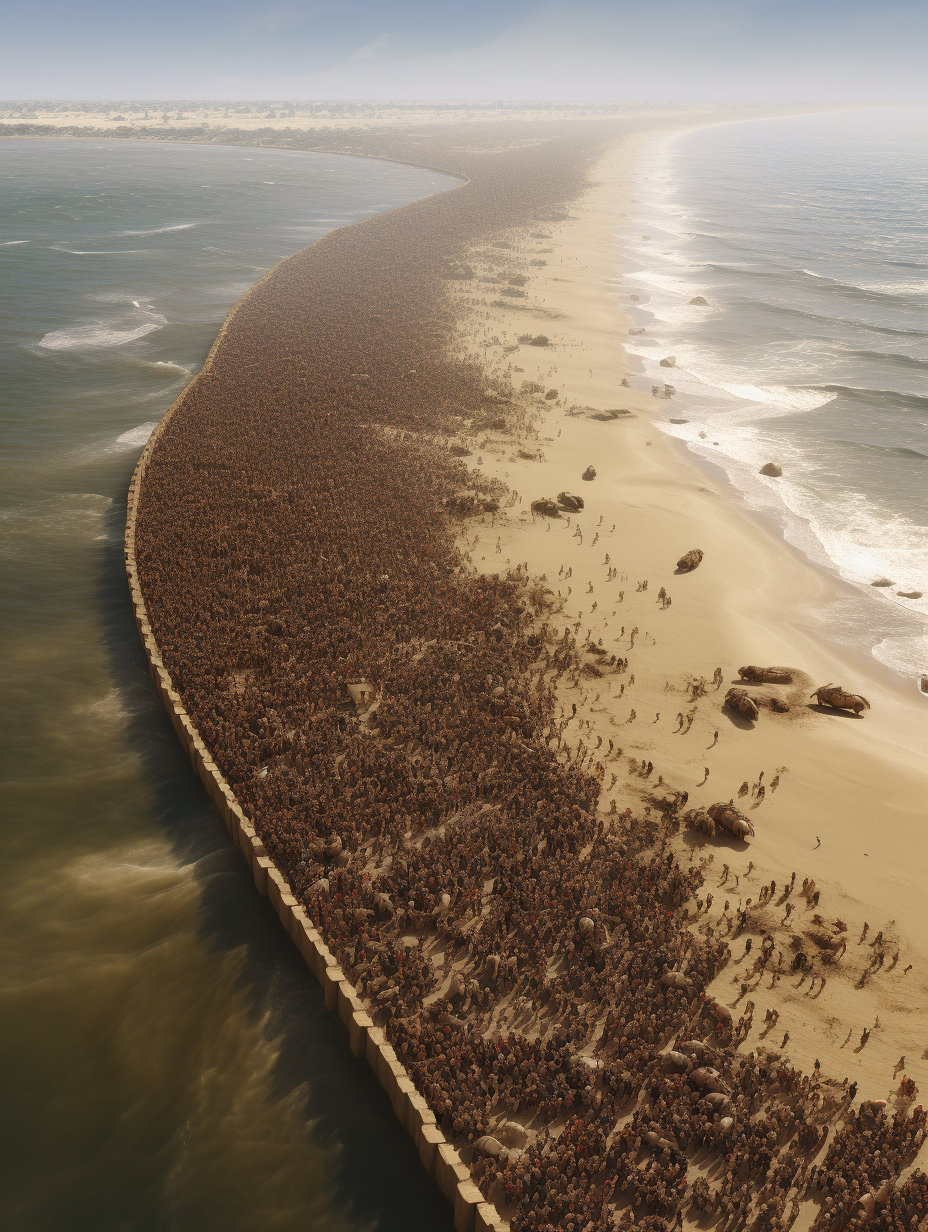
439	1157
187	458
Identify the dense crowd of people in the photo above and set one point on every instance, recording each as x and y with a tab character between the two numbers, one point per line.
527	956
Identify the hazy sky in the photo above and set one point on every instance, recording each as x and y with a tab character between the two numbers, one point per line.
477	49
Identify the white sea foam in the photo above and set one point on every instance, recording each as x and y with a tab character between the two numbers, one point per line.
133	438
906	655
92	337
10	243
848	531
182	226
895	288
100	252
775	399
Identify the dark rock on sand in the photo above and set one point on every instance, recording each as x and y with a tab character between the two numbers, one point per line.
882	581
606	416
679	421
771	469
669	362
589	473
909	594
547	507
700	301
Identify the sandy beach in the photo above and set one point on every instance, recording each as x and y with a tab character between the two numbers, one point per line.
849	807
465	742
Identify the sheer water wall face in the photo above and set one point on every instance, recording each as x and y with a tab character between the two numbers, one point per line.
808	238
169	1059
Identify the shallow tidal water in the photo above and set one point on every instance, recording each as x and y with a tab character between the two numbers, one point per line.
169	1062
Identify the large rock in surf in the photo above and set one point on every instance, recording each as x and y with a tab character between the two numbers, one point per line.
771	469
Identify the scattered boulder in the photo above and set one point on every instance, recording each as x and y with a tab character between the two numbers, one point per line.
512	1134
589	473
700	301
729	818
909	594
839	699
679	421
766	675
690	561
699	819
739	700
882	581
771	469
669	362
638	329
547	507
488	1145
568	501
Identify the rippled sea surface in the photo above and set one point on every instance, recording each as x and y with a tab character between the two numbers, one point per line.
169	1062
808	237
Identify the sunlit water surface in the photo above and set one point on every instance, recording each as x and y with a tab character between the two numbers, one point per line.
169	1062
808	237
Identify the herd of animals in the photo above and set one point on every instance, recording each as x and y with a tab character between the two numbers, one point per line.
529	959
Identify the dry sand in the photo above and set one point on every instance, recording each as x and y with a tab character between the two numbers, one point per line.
332	116
857	784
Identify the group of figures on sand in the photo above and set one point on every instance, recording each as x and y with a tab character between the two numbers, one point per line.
295	535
